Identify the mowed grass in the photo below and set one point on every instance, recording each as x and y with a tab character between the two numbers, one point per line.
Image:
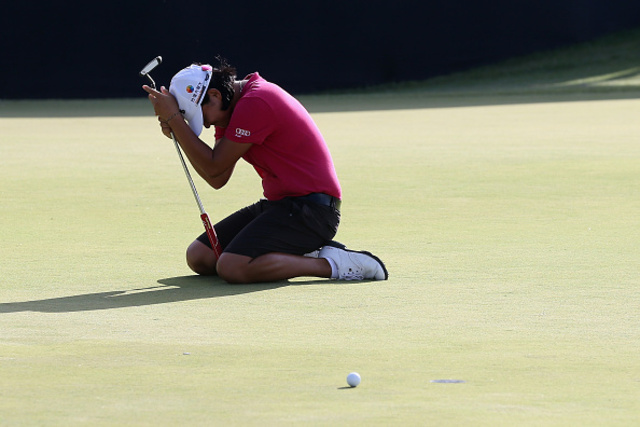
510	228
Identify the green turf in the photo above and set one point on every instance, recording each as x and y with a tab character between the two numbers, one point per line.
510	228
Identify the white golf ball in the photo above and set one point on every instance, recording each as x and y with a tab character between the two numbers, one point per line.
353	379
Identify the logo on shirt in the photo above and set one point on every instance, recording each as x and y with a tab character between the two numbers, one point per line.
242	132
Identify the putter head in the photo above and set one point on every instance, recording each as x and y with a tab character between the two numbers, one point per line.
149	67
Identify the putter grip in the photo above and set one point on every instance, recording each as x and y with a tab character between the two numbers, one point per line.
211	234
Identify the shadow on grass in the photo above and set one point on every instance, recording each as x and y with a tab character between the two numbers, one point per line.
174	289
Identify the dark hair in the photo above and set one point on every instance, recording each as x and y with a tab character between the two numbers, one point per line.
222	79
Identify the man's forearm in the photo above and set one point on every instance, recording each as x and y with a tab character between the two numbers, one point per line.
199	153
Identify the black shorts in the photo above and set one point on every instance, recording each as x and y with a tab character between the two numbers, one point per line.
291	226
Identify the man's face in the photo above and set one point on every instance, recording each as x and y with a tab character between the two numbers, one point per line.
212	112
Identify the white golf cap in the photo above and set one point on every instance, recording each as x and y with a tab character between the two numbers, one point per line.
189	86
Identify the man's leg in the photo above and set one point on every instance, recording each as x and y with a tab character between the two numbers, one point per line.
201	259
270	267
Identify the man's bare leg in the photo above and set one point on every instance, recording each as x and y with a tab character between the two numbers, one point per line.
331	262
201	259
271	267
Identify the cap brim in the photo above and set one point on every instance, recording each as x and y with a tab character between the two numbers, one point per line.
195	120
192	112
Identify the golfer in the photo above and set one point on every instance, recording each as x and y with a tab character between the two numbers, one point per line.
288	233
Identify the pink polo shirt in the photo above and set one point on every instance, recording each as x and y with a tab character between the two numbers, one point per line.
288	152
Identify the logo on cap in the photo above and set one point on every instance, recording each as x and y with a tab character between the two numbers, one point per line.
189	89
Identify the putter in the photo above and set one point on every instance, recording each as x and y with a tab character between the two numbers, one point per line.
211	233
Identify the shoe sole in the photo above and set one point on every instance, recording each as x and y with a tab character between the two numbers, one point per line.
384	268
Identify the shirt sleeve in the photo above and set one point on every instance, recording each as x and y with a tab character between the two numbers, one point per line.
252	121
220	132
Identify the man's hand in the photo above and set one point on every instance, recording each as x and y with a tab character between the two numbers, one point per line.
166	129
165	107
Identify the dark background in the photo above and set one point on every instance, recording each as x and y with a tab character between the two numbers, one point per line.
95	49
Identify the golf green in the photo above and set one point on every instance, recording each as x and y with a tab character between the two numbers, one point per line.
509	226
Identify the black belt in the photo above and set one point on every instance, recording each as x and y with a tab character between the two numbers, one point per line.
322	199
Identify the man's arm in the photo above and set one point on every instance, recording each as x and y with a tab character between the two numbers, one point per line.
214	165
219	181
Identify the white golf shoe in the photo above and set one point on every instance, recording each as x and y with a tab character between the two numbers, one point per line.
355	265
316	253
313	254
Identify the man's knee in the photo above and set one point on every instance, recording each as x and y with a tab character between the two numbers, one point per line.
234	268
201	259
